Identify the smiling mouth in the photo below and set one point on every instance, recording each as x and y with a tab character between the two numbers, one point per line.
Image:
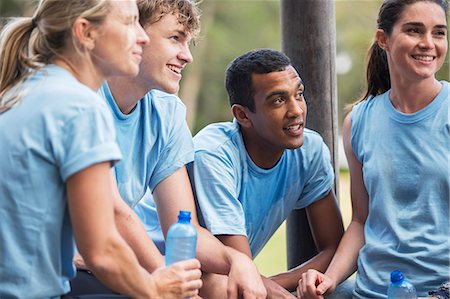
175	69
293	127
423	57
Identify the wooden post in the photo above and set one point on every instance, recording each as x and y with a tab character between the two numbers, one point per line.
309	39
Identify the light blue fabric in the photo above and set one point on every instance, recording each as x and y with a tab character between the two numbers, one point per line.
406	170
155	141
59	128
237	197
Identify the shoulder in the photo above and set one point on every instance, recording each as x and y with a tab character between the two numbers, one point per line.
371	103
445	86
163	101
217	136
313	151
312	141
219	141
63	93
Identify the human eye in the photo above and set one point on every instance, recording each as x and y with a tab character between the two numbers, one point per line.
278	101
175	37
441	33
413	30
299	95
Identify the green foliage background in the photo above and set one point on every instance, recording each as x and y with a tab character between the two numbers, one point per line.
241	25
232	27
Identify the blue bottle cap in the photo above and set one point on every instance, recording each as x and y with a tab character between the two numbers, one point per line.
184	215
396	276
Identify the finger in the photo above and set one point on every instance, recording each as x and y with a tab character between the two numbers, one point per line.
322	288
299	290
194	285
232	292
192	274
190	264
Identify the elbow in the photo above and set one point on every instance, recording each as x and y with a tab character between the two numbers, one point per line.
97	262
101	257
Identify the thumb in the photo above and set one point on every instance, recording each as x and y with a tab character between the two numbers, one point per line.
323	287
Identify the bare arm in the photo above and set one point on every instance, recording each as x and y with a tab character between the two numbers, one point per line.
106	253
174	194
327	229
240	243
313	284
132	230
344	262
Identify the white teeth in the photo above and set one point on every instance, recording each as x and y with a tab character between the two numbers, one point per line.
425	58
293	127
175	69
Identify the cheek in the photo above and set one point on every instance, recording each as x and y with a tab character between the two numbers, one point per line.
444	47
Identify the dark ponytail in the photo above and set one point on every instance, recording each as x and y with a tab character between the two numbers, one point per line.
377	71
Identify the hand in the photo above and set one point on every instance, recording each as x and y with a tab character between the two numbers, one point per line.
275	291
244	279
313	285
178	281
79	262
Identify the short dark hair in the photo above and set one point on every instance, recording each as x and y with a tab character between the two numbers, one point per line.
238	78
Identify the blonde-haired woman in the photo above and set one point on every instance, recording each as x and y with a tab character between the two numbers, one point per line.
57	143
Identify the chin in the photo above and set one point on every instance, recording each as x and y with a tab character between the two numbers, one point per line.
169	89
295	145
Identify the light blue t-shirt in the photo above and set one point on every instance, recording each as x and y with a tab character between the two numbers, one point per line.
59	128
236	197
155	141
406	169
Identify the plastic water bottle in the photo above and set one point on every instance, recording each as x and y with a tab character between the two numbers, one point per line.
181	239
400	288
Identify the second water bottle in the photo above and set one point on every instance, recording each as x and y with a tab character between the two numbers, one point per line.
400	288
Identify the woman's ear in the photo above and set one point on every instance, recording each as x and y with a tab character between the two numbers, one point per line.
380	37
241	114
85	33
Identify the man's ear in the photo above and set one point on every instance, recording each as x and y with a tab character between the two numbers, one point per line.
241	114
380	37
85	33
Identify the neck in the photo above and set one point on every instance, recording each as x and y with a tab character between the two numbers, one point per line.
84	71
262	154
410	97
126	92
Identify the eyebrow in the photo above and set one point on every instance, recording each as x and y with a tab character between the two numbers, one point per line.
283	92
418	24
181	32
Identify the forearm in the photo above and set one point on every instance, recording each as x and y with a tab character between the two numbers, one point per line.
344	262
116	266
133	232
212	254
289	279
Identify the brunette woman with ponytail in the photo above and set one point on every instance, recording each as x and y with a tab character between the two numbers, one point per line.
397	142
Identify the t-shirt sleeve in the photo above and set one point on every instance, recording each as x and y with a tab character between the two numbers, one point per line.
215	186
177	147
86	139
320	175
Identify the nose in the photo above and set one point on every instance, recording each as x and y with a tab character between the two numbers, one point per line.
142	37
185	53
295	108
426	42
